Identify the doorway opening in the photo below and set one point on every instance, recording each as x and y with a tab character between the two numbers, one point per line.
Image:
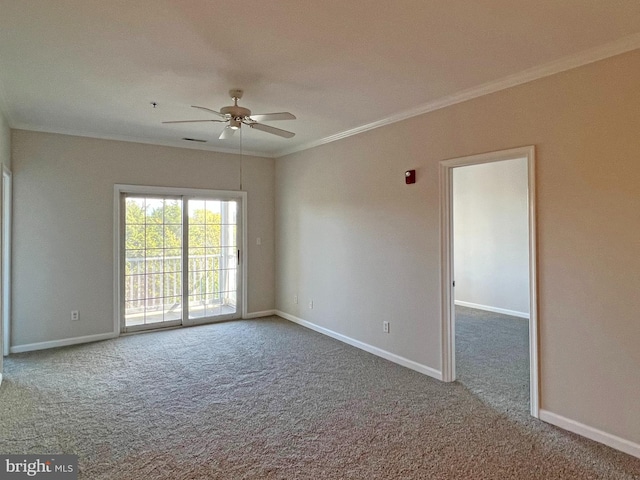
179	257
489	275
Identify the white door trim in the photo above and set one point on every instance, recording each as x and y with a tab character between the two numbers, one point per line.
7	181
446	252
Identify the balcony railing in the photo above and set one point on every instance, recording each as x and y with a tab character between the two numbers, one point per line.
155	283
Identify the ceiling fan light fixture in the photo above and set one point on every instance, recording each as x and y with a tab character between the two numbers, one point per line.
234	124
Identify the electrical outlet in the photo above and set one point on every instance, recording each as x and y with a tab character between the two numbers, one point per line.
311	304
295	299
75	315
385	327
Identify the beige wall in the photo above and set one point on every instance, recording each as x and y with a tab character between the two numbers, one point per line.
5	159
365	246
63	224
491	236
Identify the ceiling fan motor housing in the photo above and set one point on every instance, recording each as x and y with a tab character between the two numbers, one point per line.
236	111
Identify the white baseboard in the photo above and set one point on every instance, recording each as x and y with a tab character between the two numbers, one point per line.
591	433
264	313
62	343
487	308
96	338
405	362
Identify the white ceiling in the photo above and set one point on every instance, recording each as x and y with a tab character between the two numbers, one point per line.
92	67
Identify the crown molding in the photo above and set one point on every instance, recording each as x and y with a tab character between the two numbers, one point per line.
623	45
146	141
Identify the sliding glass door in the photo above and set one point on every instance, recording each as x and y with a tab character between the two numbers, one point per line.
180	259
212	260
153	260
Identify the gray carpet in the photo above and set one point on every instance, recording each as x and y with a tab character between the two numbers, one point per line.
492	359
269	399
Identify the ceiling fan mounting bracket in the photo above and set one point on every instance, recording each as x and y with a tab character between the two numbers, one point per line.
236	93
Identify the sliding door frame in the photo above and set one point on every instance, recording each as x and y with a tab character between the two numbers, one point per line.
121	189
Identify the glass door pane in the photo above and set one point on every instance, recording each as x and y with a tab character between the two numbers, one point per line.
212	259
152	260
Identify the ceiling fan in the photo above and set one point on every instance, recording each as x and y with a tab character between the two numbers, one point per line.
235	116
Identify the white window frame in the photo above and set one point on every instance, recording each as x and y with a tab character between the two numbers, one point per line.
120	189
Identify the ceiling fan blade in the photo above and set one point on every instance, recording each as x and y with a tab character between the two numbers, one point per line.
209	110
227	133
190	121
270	129
268	117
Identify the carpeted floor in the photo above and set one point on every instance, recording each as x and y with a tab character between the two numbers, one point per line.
492	359
269	399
